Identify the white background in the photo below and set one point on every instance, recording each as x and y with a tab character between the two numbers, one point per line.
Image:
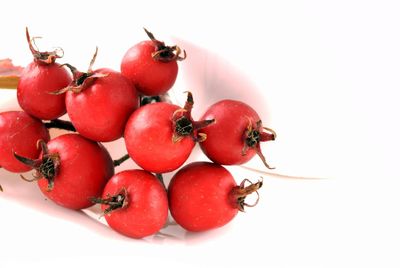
324	74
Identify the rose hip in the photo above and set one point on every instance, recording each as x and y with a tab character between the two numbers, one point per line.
151	66
134	203
203	196
236	135
100	102
37	82
19	133
160	136
71	169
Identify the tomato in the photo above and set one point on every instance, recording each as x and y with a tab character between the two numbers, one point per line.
203	196
19	132
134	203
37	82
151	66
71	169
236	135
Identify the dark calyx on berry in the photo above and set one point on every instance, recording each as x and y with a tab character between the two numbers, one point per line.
252	138
163	52
253	135
114	202
47	166
81	80
183	124
47	57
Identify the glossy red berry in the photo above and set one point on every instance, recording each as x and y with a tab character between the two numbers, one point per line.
203	196
134	203
151	66
100	102
236	135
37	82
19	133
71	169
160	136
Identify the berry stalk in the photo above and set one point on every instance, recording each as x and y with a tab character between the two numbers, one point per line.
121	160
60	124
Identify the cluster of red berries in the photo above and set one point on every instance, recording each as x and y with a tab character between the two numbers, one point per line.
75	170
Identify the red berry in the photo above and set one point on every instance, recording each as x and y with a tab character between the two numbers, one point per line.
151	66
203	196
100	111
100	102
160	136
236	135
37	82
71	170
134	203
19	133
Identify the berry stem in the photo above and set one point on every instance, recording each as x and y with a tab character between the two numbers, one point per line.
1	189
60	124
149	99
9	82
121	160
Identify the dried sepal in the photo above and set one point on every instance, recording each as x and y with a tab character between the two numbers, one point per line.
81	80
46	166
47	57
163	52
114	202
241	191
253	135
183	124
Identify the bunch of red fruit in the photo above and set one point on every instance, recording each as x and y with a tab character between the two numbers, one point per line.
75	171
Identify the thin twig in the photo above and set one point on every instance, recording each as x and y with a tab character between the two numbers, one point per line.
119	161
60	124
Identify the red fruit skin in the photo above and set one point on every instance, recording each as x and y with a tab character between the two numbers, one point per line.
19	133
147	209
35	86
100	111
225	138
148	139
85	169
150	77
200	197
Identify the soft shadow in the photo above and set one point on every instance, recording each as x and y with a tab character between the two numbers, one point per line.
212	78
29	195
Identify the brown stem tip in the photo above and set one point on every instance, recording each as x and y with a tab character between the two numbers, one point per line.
240	192
165	53
47	57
